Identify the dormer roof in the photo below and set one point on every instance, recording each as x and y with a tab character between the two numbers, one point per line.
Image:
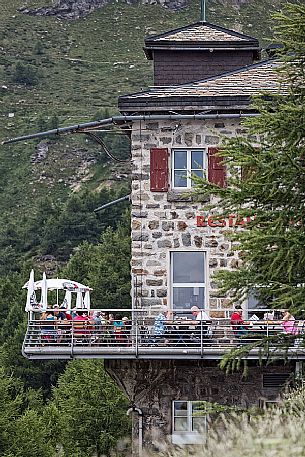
200	36
231	90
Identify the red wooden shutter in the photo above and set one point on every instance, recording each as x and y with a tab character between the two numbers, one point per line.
159	169
216	169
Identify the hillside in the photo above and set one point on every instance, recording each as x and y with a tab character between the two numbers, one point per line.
60	72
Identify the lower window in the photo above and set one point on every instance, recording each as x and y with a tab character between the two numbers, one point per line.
190	422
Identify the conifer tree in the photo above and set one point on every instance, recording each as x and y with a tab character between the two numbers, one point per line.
268	181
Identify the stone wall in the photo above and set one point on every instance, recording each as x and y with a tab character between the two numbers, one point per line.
153	385
165	221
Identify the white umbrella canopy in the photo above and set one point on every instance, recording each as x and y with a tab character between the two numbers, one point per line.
79	300
44	293
31	299
62	284
87	299
67	301
56	284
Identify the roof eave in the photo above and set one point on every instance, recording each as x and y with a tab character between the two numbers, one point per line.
149	50
156	37
203	44
184	104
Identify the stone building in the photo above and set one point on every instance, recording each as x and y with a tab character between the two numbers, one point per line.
205	76
176	246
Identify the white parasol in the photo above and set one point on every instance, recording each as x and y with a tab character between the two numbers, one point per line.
44	292
31	296
87	299
56	284
67	300
79	300
63	284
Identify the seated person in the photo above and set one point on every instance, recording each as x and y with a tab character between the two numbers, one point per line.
126	328
118	327
239	326
200	317
80	324
159	329
289	324
48	326
59	314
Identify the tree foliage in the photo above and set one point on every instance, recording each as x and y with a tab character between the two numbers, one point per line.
272	183
105	267
25	74
23	431
90	410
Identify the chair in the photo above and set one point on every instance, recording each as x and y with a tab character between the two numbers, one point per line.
80	332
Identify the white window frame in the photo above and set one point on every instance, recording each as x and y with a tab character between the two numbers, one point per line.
265	404
188	436
203	285
189	170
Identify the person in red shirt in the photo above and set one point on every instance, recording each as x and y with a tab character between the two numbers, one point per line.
239	326
80	326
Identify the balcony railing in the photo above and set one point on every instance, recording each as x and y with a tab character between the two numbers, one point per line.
136	338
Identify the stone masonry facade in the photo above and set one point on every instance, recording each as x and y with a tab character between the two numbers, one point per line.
166	221
153	385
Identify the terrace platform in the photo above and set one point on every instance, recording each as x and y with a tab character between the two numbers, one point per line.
67	340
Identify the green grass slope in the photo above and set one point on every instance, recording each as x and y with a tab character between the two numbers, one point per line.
76	70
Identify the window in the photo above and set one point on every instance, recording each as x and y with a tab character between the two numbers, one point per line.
186	162
188	279
190	422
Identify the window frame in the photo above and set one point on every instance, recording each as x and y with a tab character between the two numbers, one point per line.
189	170
203	285
189	436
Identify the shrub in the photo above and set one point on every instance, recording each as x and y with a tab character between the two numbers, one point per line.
25	74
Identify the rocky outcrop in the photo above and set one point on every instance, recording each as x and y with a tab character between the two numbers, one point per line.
75	9
67	9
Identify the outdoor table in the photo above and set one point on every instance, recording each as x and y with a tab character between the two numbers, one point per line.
265	328
182	331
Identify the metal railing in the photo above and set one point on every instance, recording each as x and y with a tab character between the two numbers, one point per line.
137	336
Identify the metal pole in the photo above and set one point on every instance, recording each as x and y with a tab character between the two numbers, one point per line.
127	119
201	338
100	208
203	10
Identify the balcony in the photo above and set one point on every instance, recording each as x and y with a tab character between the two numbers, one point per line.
135	339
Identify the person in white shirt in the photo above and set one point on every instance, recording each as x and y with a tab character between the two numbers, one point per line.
201	328
199	315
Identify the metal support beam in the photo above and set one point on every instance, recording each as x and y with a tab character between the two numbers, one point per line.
119	120
100	208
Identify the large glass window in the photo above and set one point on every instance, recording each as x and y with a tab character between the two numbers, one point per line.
188	279
186	162
189	416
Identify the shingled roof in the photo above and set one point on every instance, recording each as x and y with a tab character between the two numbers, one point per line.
228	91
201	36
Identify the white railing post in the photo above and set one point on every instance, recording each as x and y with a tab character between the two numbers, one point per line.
136	337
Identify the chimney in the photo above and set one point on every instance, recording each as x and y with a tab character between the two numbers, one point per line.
198	51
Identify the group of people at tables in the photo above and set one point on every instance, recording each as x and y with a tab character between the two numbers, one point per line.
285	323
199	326
178	330
57	322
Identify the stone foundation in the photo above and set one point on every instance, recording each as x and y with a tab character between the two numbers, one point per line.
153	385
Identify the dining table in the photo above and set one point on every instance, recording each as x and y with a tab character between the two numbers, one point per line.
265	327
186	331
